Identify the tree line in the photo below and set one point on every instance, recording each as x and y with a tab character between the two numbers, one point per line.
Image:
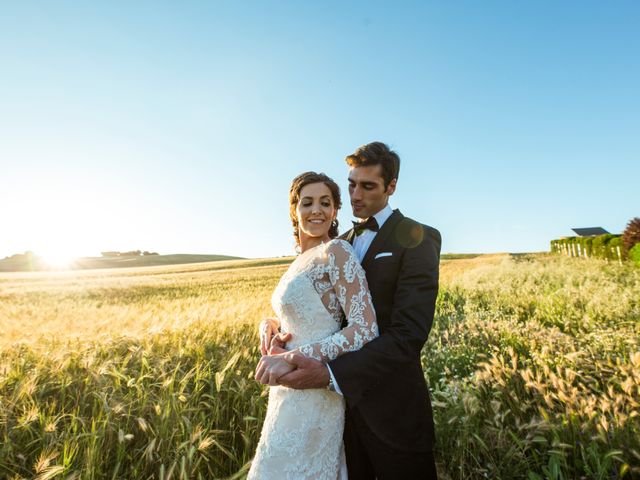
132	253
625	246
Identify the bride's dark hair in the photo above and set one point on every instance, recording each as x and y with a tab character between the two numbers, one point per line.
303	180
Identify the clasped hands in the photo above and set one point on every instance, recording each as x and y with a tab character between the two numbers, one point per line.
278	366
273	364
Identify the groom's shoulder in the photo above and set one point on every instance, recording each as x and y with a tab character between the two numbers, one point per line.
415	232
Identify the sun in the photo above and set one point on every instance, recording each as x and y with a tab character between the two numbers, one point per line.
59	259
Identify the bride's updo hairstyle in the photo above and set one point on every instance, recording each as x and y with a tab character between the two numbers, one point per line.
303	180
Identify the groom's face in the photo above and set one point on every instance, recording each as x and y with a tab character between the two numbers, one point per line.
367	192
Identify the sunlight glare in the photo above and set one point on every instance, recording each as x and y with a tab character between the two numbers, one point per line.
59	259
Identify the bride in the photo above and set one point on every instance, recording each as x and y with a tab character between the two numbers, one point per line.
325	287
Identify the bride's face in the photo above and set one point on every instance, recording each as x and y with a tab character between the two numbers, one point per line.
315	211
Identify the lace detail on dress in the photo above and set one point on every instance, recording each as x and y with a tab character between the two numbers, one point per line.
302	433
343	279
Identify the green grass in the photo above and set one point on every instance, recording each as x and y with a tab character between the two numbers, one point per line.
533	363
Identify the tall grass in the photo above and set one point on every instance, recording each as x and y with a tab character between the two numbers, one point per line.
533	363
132	375
534	366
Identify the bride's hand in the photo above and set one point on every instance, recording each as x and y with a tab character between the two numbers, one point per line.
271	368
268	328
278	343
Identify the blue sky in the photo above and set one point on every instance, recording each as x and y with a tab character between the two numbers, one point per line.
178	126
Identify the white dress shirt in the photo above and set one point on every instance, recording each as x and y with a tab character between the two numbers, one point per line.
361	244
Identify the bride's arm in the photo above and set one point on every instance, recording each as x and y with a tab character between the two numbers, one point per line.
349	283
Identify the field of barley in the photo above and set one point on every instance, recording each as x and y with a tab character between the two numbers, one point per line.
533	363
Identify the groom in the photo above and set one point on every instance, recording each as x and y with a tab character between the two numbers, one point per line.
389	431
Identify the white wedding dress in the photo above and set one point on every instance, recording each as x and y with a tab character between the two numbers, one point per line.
302	432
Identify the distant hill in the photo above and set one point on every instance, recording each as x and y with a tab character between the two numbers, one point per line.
459	256
34	263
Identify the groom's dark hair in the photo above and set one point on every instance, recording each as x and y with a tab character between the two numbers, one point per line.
377	153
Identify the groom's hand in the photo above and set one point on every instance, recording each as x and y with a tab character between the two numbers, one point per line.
308	373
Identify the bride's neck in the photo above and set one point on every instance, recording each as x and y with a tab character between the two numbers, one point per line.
310	242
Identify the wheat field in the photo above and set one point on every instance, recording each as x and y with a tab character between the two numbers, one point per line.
533	363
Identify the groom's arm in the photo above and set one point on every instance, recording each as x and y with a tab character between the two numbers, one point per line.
411	318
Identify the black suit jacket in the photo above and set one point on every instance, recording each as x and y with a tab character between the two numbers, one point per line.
384	380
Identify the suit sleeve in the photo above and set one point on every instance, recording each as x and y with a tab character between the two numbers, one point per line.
410	322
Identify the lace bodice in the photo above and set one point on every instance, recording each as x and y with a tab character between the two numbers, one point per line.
321	287
302	433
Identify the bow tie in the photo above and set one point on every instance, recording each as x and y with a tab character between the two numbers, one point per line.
370	224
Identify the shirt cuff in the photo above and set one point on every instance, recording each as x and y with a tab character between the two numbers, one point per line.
333	379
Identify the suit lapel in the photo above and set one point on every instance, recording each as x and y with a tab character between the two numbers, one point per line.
381	236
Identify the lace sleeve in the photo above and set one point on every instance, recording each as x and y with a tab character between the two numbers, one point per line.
349	283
